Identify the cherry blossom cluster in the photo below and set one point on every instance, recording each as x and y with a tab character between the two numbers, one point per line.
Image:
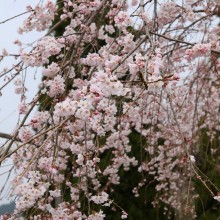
198	50
40	19
106	77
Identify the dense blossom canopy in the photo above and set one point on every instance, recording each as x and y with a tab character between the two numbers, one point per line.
113	69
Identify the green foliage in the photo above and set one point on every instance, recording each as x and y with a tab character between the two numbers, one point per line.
206	206
141	207
7	208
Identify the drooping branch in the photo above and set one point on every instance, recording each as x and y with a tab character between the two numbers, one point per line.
8	136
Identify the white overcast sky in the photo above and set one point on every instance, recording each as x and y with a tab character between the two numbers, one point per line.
9	101
8	34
